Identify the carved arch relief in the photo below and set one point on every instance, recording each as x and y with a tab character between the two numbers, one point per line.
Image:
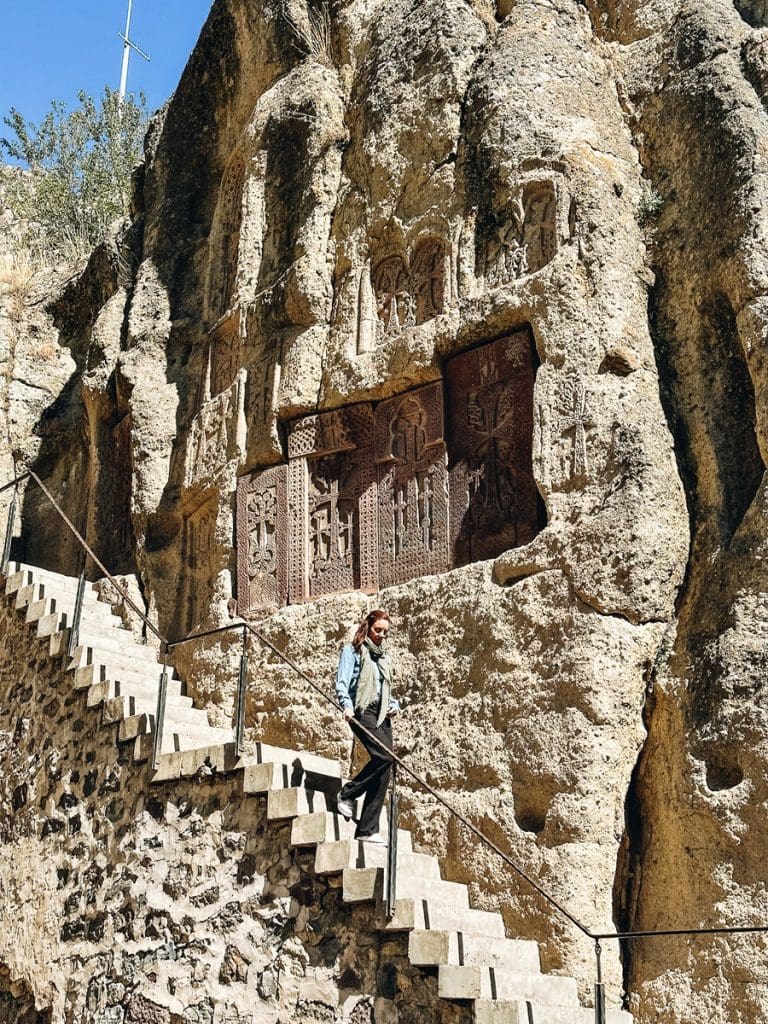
398	294
372	495
527	234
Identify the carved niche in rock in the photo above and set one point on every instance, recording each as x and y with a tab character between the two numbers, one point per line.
262	539
526	240
115	541
332	504
198	560
493	497
407	296
225	239
412	485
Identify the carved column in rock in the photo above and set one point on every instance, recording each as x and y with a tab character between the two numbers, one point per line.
493	500
332	504
262	540
413	485
366	312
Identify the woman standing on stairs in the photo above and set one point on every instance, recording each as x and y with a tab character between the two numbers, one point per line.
364	689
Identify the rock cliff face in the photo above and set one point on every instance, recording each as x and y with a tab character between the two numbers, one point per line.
498	271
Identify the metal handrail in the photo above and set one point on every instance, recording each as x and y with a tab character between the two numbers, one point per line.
595	936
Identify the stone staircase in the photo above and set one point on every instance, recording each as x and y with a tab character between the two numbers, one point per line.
475	961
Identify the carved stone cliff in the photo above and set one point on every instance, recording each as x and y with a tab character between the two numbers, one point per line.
457	309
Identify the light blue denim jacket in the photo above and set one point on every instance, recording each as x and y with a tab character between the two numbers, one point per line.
346	679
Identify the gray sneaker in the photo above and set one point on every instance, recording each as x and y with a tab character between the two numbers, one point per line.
346	808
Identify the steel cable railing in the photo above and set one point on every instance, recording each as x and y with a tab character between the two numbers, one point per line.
598	937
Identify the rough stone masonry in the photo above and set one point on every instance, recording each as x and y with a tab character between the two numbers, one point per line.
459	308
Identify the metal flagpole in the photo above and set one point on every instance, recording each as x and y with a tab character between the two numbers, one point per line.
127	47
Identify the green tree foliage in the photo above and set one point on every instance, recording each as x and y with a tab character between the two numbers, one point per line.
78	165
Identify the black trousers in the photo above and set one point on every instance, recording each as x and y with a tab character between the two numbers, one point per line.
373	779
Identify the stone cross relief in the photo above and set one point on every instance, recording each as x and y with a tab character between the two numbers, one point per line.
374	496
526	240
576	423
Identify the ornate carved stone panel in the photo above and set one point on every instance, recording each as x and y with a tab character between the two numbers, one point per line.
493	502
225	353
262	540
525	239
199	561
413	485
213	438
410	295
428	273
394	298
332	504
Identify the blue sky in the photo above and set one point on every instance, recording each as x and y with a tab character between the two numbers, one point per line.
50	49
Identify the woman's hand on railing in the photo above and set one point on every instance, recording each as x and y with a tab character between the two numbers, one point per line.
349	713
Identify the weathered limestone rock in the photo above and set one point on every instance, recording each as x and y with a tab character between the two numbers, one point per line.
338	201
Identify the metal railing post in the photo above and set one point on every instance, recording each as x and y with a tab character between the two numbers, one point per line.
9	531
599	986
74	632
241	688
392	848
162	695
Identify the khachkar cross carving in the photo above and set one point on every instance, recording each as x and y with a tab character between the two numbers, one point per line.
407	296
332	506
577	422
493	492
262	540
526	237
332	499
413	496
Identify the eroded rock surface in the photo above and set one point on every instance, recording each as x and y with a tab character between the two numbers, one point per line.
338	201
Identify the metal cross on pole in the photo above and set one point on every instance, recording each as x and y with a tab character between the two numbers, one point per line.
127	47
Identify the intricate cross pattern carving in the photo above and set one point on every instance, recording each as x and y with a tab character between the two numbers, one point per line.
526	240
412	474
332	498
408	296
262	540
493	493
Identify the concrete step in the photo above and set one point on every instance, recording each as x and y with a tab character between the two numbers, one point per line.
113	639
143	690
133	681
46	607
181	739
320	827
115	661
115	709
219	757
56	619
291	802
278	768
523	1011
24	596
435	947
427	913
180	721
20	575
494	984
368	884
332	858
